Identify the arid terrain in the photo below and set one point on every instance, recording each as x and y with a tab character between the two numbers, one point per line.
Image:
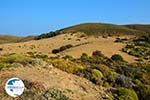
86	44
70	65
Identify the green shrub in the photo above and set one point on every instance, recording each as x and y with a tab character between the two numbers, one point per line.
69	46
104	69
84	57
56	94
43	56
2	65
47	35
68	57
126	94
117	57
13	58
144	92
62	48
106	84
125	50
130	46
111	77
65	65
32	94
97	74
136	52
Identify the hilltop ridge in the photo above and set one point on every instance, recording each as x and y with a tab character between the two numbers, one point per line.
101	29
14	39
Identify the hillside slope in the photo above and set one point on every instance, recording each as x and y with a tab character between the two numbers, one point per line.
86	44
13	39
101	29
9	38
48	77
140	27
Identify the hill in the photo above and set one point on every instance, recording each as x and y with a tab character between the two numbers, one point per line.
102	29
140	27
81	68
13	39
9	38
27	38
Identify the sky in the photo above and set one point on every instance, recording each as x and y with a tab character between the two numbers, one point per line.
33	17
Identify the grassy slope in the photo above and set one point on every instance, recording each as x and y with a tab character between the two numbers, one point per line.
101	29
139	27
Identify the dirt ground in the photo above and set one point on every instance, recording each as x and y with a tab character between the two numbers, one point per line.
85	45
50	77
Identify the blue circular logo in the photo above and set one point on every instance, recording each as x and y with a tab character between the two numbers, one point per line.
14	87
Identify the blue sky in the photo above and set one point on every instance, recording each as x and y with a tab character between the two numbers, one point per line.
31	17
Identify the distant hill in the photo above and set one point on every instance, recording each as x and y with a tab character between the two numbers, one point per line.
97	29
13	39
87	28
28	38
102	29
139	27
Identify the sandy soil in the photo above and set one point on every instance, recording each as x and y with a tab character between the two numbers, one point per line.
45	46
81	89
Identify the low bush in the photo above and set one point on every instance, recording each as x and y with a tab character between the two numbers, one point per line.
2	65
97	74
117	57
13	58
32	94
124	81
144	92
55	51
84	57
97	53
62	48
1	49
126	94
111	78
84	72
121	40
55	94
68	57
47	35
104	69
65	65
